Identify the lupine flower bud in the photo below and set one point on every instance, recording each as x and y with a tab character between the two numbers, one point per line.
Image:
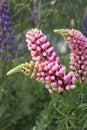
25	68
78	46
6	38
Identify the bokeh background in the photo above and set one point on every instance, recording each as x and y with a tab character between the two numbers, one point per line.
26	104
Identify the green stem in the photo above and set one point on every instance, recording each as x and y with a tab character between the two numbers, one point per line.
71	100
81	92
4	69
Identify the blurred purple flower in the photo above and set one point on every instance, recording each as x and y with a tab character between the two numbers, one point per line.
33	16
6	37
84	24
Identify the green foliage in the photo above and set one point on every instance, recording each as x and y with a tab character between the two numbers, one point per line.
83	119
26	104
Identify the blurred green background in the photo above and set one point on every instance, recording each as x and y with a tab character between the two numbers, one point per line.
26	104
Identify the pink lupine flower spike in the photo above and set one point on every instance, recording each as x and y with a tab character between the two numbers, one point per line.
78	46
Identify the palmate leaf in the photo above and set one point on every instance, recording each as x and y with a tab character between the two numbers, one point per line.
83	115
83	121
65	113
83	107
65	121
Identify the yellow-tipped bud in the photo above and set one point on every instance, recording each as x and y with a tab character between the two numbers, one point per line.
25	68
64	32
14	70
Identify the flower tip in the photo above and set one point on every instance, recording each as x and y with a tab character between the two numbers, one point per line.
56	30
14	70
64	32
10	72
59	31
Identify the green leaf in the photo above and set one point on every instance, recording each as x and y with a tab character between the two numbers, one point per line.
2	109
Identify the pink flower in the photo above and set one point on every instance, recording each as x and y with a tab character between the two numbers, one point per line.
78	46
39	46
46	67
54	76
